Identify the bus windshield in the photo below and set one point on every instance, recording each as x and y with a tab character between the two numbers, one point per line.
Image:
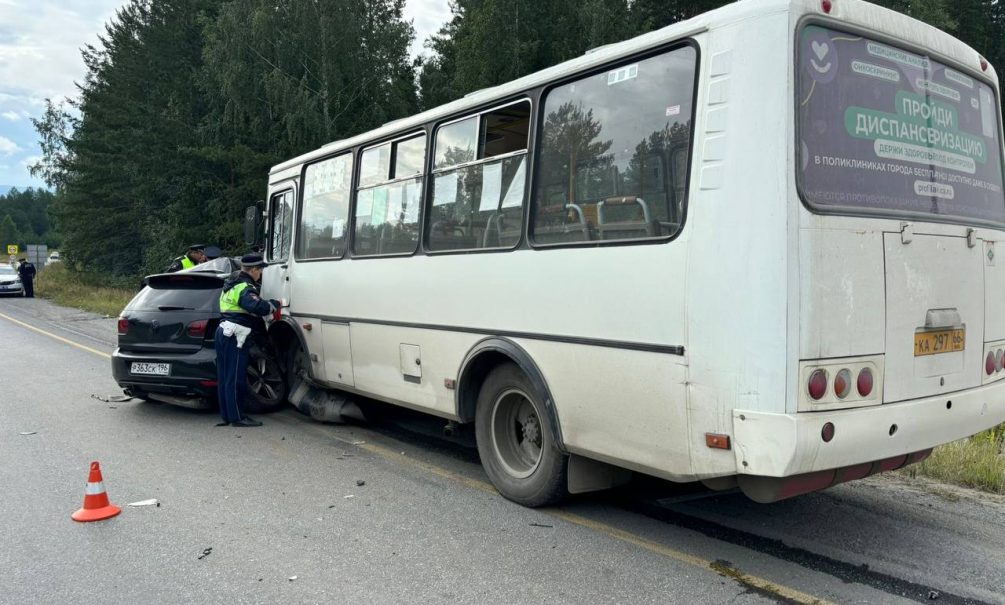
888	131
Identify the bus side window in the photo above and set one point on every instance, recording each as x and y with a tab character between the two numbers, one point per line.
480	180
389	197
614	146
325	213
280	225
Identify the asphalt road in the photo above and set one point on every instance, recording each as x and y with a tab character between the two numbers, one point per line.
280	509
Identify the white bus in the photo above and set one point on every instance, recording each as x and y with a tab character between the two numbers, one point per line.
757	248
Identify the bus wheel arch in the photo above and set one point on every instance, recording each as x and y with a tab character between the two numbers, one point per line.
289	341
484	357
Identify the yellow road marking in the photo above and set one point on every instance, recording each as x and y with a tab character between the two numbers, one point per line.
59	338
759	583
613	532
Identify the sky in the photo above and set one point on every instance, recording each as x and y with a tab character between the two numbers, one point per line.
40	42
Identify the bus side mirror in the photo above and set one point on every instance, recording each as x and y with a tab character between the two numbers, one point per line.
253	224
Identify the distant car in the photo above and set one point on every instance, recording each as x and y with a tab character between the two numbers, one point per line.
10	283
165	343
53	258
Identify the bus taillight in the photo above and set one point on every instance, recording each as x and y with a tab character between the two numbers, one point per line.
818	384
989	363
984	64
842	383
827	6
864	382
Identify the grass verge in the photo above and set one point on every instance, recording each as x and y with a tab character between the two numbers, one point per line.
68	288
977	462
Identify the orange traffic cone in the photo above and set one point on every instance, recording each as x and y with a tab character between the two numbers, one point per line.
96	505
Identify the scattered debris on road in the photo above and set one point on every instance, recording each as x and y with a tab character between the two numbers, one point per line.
150	502
112	398
206	552
540	525
349	496
360	482
28	433
291	578
933	594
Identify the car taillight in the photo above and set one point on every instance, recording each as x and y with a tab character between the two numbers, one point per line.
123	326
818	384
197	329
864	382
842	383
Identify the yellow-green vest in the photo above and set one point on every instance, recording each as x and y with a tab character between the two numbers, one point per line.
228	299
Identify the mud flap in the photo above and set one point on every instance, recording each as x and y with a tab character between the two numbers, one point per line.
586	475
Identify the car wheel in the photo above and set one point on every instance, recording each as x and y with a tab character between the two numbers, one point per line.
515	442
266	385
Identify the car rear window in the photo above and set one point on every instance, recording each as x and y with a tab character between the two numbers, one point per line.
888	130
171	294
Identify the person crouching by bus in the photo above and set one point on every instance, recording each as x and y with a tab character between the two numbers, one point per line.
193	257
26	271
241	312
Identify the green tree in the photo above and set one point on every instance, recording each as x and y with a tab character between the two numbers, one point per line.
284	78
489	42
9	234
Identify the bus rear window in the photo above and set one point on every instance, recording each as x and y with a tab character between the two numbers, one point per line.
890	131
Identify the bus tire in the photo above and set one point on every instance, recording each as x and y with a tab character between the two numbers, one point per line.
515	440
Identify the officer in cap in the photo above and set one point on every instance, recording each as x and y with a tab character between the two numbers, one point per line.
193	257
241	311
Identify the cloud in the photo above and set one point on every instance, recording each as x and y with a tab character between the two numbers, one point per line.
13	116
427	17
40	42
7	146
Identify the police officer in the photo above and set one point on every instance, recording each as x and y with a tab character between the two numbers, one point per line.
193	257
241	310
26	271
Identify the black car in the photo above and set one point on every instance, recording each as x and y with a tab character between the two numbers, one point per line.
166	351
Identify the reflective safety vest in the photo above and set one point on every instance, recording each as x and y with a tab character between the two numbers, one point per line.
228	299
186	262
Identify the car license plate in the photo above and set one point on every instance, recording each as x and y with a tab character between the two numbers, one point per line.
939	341
151	369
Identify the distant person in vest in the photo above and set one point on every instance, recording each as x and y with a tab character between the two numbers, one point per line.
241	312
26	271
193	257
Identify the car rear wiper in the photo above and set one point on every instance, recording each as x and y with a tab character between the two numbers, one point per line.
174	308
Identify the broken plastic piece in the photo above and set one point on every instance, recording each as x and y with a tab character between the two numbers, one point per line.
291	578
28	433
349	496
360	482
150	502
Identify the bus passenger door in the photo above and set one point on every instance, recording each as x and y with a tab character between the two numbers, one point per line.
278	240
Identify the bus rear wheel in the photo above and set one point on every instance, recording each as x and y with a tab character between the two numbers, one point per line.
515	442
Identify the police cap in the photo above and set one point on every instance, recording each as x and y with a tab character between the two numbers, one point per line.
252	260
197	247
213	252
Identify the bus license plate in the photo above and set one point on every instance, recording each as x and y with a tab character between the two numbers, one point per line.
939	341
150	369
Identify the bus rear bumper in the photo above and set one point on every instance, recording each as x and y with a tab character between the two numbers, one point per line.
783	455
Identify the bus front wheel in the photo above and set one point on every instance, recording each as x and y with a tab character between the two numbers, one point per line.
515	442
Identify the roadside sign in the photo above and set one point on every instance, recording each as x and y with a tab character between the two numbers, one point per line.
12	249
